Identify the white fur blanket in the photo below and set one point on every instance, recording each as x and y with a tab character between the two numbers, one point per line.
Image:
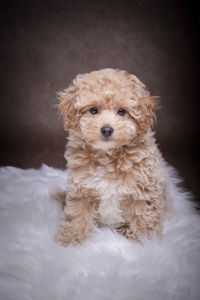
106	266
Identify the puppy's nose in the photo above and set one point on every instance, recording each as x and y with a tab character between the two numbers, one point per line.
107	131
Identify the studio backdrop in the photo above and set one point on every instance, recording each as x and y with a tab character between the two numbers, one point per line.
45	44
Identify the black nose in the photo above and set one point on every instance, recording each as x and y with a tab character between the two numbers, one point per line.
107	131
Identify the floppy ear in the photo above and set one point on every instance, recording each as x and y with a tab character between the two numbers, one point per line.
67	99
146	113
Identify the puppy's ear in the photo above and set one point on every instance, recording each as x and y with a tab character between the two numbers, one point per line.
67	100
146	113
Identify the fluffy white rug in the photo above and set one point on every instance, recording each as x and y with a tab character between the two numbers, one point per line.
106	266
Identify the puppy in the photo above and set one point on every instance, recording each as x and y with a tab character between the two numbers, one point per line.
116	174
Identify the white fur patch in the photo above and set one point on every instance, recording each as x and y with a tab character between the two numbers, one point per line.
109	194
109	207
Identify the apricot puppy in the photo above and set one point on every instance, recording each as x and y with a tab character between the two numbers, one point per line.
116	174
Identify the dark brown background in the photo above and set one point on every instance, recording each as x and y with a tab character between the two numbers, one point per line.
45	44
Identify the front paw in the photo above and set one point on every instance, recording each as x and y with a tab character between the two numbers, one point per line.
72	232
126	231
67	238
62	239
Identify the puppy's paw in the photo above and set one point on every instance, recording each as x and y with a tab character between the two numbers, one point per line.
126	231
65	240
61	239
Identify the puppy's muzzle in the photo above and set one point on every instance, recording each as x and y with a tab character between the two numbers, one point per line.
106	131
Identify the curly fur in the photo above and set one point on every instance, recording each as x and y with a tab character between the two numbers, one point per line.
120	182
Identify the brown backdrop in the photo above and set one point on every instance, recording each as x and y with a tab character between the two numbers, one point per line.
45	44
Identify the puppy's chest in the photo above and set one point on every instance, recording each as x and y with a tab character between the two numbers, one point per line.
110	194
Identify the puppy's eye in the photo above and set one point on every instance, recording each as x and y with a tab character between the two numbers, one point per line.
93	110
121	112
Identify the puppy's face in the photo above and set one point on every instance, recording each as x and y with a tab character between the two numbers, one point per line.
108	107
107	127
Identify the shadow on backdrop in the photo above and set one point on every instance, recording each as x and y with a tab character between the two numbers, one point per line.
45	45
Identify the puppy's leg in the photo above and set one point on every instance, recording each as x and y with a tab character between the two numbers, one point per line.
142	218
79	219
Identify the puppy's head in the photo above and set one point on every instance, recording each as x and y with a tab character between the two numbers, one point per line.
109	108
